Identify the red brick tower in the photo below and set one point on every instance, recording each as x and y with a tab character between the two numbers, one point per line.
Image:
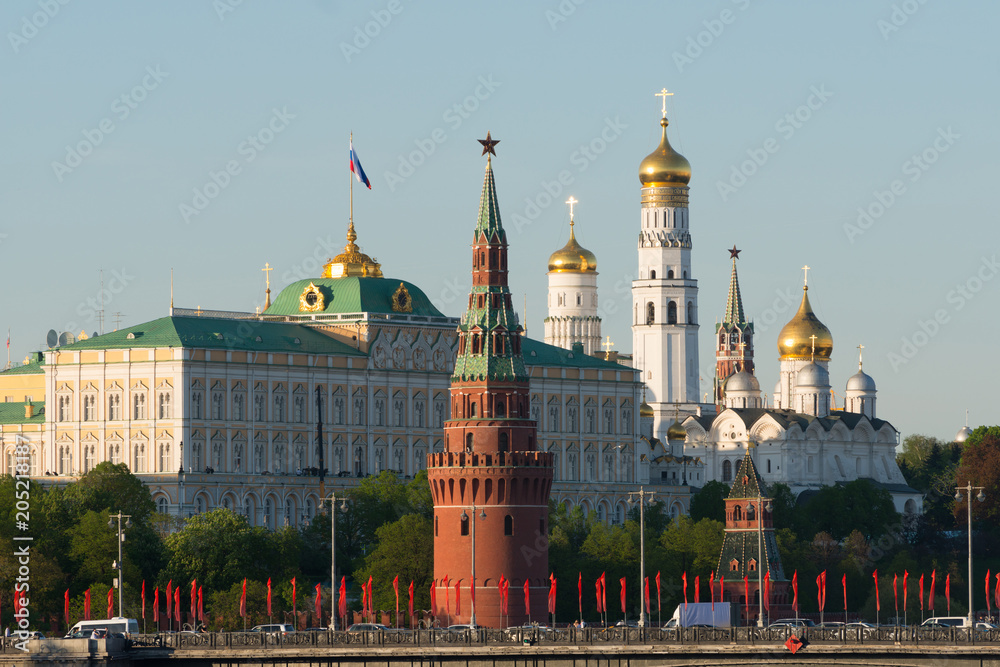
490	484
733	336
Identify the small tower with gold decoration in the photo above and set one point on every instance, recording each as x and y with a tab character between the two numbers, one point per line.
734	349
804	346
572	308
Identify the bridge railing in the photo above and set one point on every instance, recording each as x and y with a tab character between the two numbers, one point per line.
565	636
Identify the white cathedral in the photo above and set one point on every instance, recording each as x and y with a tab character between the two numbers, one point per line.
800	440
218	408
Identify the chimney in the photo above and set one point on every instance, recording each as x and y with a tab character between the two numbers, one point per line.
29	410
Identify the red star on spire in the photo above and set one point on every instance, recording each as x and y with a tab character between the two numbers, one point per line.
734	253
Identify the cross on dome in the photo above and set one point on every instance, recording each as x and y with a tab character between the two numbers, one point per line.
664	94
571	201
805	277
860	349
607	344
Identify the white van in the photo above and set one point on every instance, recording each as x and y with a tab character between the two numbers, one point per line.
126	626
946	622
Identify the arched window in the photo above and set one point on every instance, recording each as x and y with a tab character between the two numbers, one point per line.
737	513
436	523
508	525
727	471
671	312
504	442
472	409
690	312
501	409
465	525
650	313
670	274
468	442
652	274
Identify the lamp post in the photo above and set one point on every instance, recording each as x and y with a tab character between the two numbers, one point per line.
760	555
333	553
968	488
465	517
643	497
118	563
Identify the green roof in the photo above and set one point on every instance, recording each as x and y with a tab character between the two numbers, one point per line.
213	333
13	413
353	295
537	353
33	367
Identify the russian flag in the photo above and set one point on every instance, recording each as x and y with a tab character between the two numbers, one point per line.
357	170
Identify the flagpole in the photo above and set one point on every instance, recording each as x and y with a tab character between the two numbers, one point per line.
351	176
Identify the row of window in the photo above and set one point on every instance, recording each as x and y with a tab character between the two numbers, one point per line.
554	424
671	313
137	408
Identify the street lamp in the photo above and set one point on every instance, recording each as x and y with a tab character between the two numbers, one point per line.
644	497
117	565
333	553
465	517
968	488
760	555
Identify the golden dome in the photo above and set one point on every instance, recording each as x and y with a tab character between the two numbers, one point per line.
352	262
664	167
645	409
795	340
572	257
676	431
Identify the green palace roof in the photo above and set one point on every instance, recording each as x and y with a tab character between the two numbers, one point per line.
213	333
353	295
537	353
35	365
13	413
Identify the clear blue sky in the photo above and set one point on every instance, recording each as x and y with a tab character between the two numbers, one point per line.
895	80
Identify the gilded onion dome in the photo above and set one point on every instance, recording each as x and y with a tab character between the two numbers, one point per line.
676	431
573	257
645	409
796	338
352	262
664	167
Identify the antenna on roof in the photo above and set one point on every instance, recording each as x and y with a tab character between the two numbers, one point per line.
118	320
100	313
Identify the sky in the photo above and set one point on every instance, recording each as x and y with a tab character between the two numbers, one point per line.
858	138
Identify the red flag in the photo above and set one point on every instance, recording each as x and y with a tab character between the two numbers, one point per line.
821	590
622	594
177	605
697	587
294	606
895	593
447	600
500	592
988	607
505	598
269	596
930	596
795	591
659	607
579	589
921	591
433	598
527	599
371	598
170	597
767	590
458	597
947	591
144	598
342	601
86	604
552	593
410	606
684	578
364	599
243	600
597	586
906	579
319	605
844	584
201	604
111	603
711	588
194	601
395	587
604	592
66	606
156	605
645	592
996	593
878	601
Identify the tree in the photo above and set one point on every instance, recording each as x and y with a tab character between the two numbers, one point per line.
113	488
710	502
980	466
859	505
784	511
412	535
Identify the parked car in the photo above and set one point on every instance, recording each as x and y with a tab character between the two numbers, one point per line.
367	627
461	627
830	625
792	623
946	622
274	629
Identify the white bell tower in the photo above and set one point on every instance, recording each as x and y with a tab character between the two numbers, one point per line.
665	295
